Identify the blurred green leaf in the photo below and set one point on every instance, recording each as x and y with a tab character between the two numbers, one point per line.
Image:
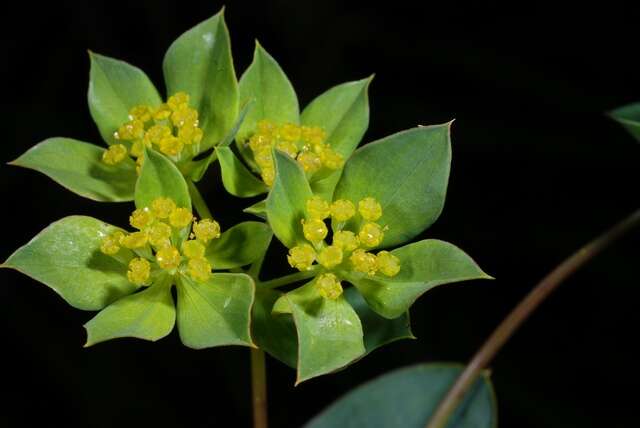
407	173
78	166
114	88
159	177
149	314
237	179
239	246
259	209
66	257
199	63
217	312
274	333
407	398
629	117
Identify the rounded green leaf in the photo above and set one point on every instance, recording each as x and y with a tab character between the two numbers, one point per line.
148	314
424	265
274	333
159	177
66	257
114	88
199	63
237	179
287	200
275	99
216	312
329	332
407	398
629	117
239	246
407	173
78	166
343	112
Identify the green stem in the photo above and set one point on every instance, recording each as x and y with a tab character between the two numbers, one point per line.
198	201
288	279
259	388
520	313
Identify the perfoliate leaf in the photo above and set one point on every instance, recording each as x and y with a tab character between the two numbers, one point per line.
159	177
239	246
78	166
114	88
274	333
287	199
275	99
343	112
329	332
424	265
148	314
66	257
378	331
199	63
216	312
629	117
407	173
237	179
407	398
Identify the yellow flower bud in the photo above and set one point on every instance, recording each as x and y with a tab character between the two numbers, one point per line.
318	208
314	229
364	262
141	218
139	271
137	148
329	286
301	257
193	249
162	112
370	234
290	132
134	240
206	230
388	264
156	133
330	158
330	256
159	234
265	127
114	154
199	269
370	209
162	207
310	162
342	210
171	145
178	100
180	217
288	147
346	240
141	113
168	257
111	244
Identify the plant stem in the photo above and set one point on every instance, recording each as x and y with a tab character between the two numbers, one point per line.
288	279
520	313
259	388
198	201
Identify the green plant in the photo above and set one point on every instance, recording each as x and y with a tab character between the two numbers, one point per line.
379	196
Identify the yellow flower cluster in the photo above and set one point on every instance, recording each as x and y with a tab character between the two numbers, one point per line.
304	143
348	248
171	127
160	228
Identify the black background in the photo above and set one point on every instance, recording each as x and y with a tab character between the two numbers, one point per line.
538	170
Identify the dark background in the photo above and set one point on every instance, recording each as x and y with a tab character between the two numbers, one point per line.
538	170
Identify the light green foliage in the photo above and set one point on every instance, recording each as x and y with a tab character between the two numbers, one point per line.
274	333
66	257
407	398
159	177
78	166
239	246
236	178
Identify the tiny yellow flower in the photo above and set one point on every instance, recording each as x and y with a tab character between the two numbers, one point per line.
162	207
193	249
111	244
370	209
141	113
141	218
205	230
388	264
180	217
168	257
199	269
346	240
342	210
329	286
330	256
159	234
310	162
114	154
318	208
171	145
370	234
364	262
134	240
301	257
139	271
314	229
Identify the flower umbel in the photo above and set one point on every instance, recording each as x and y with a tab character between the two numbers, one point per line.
168	239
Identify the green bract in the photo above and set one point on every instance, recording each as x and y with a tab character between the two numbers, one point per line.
629	117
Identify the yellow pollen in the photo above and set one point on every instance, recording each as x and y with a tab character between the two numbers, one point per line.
141	113
156	133
141	218
314	229
162	112
193	249
199	269
206	230
346	240
301	257
331	159
310	162
371	234
139	271
177	100
364	262
318	208
288	147
111	244
388	264
162	207
159	234
134	240
329	286
330	256
114	154
342	210
168	257
131	130
180	217
370	209
171	145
